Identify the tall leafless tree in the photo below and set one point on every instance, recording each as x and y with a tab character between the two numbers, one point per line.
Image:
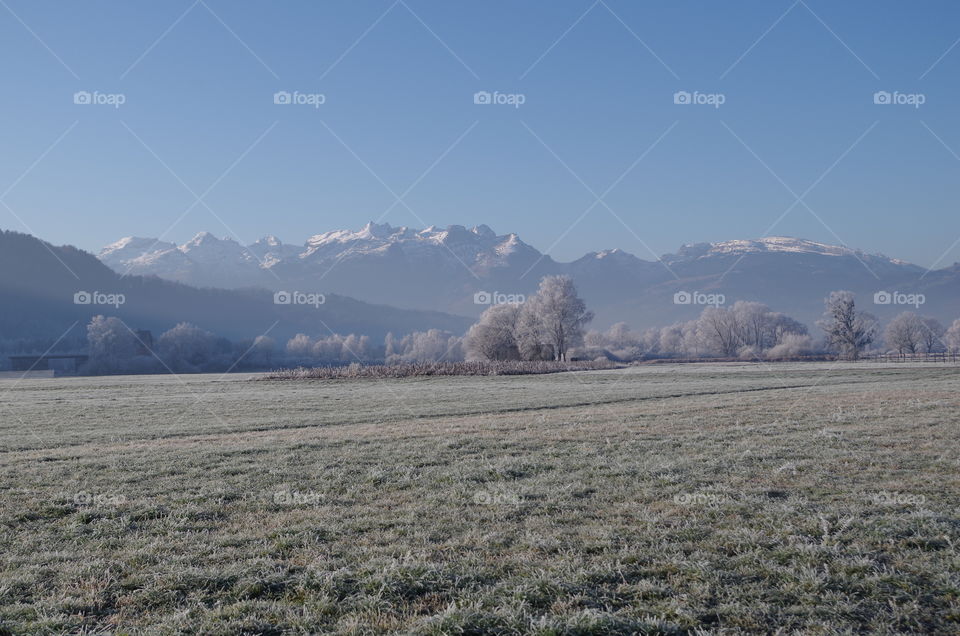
931	334
719	331
848	330
904	333
952	337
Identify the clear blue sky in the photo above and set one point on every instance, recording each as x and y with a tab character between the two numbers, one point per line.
199	93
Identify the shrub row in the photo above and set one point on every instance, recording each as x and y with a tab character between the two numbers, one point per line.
415	369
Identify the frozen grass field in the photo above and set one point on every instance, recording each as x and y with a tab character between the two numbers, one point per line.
815	498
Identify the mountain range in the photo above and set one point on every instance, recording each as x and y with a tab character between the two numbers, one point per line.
48	290
455	270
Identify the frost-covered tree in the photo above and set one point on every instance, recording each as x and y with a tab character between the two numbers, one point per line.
334	348
790	345
619	342
931	335
355	348
300	346
389	345
594	339
848	331
747	329
619	336
952	337
693	344
365	348
555	316
186	347
328	349
720	331
753	325
532	336
904	333
783	326
261	353
759	328
433	345
494	336
112	345
671	340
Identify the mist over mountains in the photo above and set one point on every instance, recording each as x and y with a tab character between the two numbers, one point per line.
44	289
382	279
456	269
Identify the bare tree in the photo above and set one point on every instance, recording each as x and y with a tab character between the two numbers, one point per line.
952	337
555	316
753	324
719	331
904	333
931	334
848	331
759	328
747	329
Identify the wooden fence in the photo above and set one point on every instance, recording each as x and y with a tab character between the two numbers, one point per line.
942	357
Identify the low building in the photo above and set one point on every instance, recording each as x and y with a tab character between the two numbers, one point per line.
64	362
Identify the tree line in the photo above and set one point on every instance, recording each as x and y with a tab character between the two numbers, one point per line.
549	326
745	330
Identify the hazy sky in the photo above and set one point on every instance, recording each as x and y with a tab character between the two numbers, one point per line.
398	119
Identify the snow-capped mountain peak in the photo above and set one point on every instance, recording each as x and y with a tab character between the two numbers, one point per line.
269	241
442	268
768	245
131	247
778	244
483	231
208	257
